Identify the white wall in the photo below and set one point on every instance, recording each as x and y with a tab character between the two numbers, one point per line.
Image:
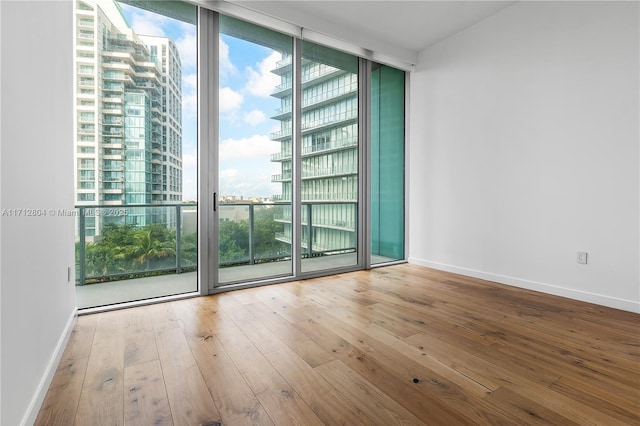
38	302
524	150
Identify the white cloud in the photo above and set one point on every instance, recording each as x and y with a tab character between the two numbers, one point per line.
148	23
189	160
263	82
189	96
187	45
189	174
255	117
230	100
247	183
254	146
226	66
229	173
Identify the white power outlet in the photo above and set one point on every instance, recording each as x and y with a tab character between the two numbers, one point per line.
582	257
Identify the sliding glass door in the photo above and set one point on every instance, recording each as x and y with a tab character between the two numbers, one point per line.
290	151
300	147
330	158
254	196
287	157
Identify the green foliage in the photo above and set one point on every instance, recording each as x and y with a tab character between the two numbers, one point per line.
189	250
234	238
127	251
234	241
265	230
123	249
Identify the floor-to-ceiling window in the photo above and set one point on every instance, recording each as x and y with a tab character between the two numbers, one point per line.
387	157
254	152
285	153
136	150
330	158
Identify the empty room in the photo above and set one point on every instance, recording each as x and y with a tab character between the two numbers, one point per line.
319	212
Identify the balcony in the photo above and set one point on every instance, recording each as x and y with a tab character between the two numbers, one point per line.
342	117
282	112
279	156
317	71
284	177
113	111
108	121
283	63
344	170
280	135
334	145
114	69
321	196
121	242
134	252
320	148
338	93
282	90
112	132
112	88
85	36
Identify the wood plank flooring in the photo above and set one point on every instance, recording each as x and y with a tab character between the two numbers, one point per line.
401	345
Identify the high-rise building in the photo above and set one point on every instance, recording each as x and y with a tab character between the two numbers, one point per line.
128	96
329	189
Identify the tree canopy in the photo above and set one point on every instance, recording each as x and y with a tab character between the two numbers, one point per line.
125	249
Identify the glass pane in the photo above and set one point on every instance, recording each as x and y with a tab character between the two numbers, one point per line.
254	152
387	164
135	148
329	158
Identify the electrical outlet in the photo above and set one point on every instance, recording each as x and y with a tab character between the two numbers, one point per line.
582	257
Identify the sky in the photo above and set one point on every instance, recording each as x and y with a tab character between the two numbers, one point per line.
246	83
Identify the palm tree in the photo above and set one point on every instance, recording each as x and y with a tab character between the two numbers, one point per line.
148	247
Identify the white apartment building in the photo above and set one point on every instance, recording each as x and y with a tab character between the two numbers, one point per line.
329	154
128	106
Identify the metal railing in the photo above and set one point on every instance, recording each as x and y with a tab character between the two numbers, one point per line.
116	242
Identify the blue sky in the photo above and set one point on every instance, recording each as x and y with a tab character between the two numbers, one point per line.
245	107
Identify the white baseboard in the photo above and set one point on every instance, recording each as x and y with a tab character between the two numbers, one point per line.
598	299
36	402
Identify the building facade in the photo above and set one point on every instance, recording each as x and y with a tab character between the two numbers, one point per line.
329	188
128	96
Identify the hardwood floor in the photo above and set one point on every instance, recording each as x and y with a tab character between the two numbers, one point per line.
397	345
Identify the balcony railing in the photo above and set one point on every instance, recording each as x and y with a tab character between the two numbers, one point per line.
283	86
280	134
348	169
280	156
318	71
285	176
116	242
348	89
284	61
308	124
331	145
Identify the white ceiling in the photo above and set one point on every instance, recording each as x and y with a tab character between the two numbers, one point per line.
398	28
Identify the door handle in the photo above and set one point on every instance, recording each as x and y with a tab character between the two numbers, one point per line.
215	201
